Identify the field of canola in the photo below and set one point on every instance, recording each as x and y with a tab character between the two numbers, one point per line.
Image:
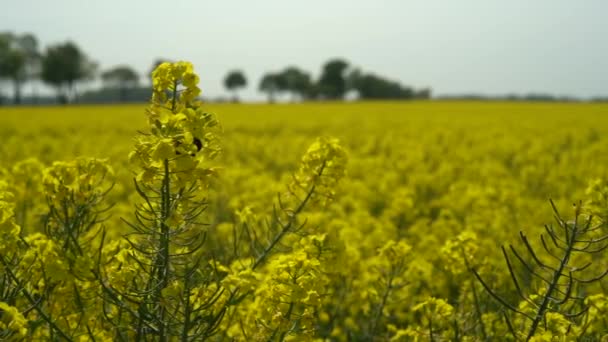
417	196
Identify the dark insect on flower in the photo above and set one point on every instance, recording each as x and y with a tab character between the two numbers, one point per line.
196	141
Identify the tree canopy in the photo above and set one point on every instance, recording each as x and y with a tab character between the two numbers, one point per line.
271	85
63	65
121	77
235	80
19	59
332	83
296	81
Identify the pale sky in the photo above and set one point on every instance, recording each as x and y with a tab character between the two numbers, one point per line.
465	46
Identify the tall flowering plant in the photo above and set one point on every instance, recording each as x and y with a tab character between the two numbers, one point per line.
171	177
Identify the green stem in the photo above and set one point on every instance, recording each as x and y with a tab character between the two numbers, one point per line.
285	229
374	325
164	255
292	219
554	283
431	338
36	304
174	100
187	309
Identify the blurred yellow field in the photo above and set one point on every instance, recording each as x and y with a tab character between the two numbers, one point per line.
431	190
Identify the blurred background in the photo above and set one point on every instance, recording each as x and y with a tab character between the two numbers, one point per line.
69	51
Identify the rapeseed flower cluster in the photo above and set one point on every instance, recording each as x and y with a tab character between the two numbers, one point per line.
13	326
322	167
181	132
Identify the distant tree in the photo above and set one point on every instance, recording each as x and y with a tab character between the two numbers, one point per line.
332	83
370	86
122	78
295	81
353	79
4	46
423	94
62	66
6	56
28	44
313	91
234	81
19	59
271	85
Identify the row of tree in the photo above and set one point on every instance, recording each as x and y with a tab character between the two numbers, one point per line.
335	81
60	66
64	65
